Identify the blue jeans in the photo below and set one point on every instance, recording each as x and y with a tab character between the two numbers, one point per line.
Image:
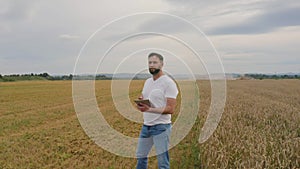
159	136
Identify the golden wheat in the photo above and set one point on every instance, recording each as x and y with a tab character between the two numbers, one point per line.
259	127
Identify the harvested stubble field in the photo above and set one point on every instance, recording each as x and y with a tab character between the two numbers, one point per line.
259	127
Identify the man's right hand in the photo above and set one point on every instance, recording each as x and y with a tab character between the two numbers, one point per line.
143	107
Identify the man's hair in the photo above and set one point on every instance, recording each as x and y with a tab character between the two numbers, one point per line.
161	58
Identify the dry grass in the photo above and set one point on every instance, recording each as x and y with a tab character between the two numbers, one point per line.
259	128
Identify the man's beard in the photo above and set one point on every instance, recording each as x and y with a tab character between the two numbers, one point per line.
153	72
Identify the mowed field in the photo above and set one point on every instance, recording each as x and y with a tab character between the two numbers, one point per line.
260	127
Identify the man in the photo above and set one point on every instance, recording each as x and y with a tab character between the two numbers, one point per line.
162	91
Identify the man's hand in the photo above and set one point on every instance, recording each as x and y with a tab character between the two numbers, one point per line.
143	107
168	109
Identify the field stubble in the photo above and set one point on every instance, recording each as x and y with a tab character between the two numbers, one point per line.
259	127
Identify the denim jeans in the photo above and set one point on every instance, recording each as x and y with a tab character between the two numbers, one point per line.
159	136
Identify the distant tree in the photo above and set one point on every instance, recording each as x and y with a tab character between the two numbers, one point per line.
0	76
45	75
274	77
102	77
64	77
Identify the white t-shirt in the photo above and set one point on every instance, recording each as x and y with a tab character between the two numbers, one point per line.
157	91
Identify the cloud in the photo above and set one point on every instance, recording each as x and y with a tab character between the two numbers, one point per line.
237	16
12	10
32	38
145	26
260	52
267	22
14	14
68	37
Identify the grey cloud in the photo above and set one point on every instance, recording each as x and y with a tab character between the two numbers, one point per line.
156	23
266	22
274	14
163	23
31	33
17	10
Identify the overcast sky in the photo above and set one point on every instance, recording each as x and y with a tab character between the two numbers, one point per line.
251	36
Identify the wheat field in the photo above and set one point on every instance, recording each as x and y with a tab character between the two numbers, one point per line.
260	127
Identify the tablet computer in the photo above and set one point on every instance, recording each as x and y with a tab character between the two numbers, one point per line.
147	102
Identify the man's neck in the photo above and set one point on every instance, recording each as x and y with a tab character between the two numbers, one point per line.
159	74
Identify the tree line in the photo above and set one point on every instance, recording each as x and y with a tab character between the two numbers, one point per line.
274	76
46	76
32	76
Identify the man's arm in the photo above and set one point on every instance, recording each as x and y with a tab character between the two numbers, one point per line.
169	109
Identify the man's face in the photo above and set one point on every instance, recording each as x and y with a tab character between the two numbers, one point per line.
154	64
